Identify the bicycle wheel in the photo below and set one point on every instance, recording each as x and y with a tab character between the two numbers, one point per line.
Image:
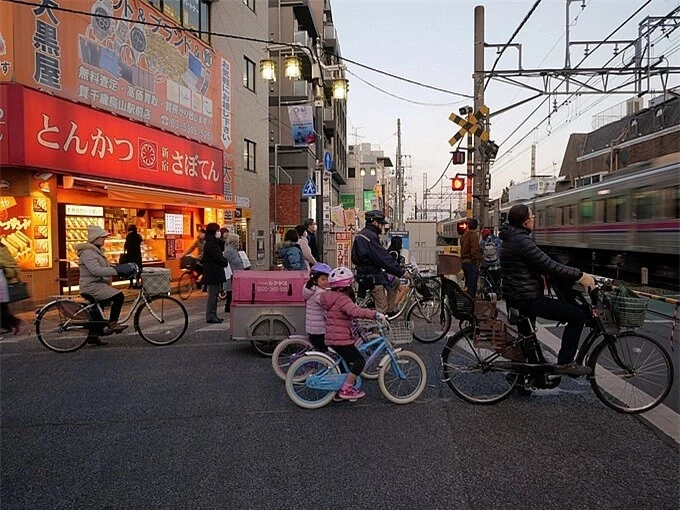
403	390
186	285
162	320
287	352
632	373
60	333
296	378
471	372
431	319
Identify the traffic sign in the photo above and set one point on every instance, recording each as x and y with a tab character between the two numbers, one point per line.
309	189
472	125
327	161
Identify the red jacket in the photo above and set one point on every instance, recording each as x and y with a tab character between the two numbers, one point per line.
340	310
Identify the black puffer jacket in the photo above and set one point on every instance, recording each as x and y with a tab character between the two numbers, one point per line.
371	258
523	263
213	261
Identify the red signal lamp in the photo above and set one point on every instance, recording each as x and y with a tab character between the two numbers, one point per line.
458	183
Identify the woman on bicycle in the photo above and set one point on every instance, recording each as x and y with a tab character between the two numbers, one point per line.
340	310
315	316
523	265
95	278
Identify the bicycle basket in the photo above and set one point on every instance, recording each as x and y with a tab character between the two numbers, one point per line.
400	333
491	334
461	304
629	312
156	280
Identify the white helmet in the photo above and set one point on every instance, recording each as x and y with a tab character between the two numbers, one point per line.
341	277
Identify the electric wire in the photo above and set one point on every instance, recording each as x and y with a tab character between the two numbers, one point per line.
512	37
194	32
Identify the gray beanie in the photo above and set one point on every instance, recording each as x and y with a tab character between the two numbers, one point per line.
95	232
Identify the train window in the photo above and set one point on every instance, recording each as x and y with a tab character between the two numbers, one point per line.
570	215
670	202
643	205
615	209
586	212
558	216
601	211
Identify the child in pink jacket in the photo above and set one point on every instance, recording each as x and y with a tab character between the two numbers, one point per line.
315	315
340	310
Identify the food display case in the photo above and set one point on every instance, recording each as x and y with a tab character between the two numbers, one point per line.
78	218
113	248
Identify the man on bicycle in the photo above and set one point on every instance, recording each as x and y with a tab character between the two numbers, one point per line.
373	262
523	265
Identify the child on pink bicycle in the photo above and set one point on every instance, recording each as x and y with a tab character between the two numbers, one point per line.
315	315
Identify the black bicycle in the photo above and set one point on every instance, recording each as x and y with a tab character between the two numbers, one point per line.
630	372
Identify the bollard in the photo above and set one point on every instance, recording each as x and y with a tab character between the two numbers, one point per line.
644	276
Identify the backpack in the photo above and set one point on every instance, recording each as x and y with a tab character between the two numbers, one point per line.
489	250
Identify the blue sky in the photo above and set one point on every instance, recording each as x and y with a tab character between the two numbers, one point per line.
431	41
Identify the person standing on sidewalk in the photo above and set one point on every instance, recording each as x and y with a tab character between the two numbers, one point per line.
9	273
310	225
133	250
213	271
232	244
303	242
471	256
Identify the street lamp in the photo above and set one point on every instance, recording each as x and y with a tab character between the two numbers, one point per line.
293	70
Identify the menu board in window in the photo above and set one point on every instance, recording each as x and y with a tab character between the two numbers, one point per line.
25	230
174	224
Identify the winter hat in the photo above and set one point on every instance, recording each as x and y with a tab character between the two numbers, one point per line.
95	232
485	232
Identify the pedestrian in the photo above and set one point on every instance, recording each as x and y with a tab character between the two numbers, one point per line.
310	225
9	274
394	249
95	279
222	241
291	253
231	253
304	245
374	263
340	310
213	271
315	316
523	265
133	251
471	256
490	246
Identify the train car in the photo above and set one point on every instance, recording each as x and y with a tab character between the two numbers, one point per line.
628	221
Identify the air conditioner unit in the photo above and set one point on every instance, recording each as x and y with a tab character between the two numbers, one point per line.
301	37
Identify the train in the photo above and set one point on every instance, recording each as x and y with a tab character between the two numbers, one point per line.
628	221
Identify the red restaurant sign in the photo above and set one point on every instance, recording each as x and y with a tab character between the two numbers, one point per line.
52	133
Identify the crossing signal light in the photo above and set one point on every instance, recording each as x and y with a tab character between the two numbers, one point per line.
458	157
458	183
462	227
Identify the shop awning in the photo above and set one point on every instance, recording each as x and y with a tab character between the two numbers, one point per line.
170	198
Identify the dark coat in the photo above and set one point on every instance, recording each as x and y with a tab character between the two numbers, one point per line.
133	248
371	258
213	262
311	239
293	259
523	264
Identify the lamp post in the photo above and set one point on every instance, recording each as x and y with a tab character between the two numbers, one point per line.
292	70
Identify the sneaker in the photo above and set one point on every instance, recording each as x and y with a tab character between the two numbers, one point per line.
571	369
351	393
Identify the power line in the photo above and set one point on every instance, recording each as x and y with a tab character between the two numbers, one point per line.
500	54
194	32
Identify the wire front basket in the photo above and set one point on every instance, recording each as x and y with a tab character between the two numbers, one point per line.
156	281
400	333
629	312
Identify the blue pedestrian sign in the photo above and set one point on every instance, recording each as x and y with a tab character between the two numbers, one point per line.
309	189
327	161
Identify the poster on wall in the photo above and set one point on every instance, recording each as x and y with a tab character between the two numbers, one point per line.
25	230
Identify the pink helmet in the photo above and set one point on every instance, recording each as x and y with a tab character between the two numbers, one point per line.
341	277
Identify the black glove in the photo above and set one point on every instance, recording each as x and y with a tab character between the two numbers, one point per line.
126	270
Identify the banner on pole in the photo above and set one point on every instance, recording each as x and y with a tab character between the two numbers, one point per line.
302	124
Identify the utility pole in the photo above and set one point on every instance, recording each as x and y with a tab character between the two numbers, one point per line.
480	163
400	180
423	213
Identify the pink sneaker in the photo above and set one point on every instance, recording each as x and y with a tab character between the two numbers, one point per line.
351	393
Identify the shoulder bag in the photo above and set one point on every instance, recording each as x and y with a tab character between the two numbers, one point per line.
17	292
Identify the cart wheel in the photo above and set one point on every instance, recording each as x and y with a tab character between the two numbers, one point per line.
267	335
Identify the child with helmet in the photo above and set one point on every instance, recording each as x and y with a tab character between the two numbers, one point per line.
340	310
315	316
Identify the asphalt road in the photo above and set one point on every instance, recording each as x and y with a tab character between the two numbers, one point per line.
205	423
